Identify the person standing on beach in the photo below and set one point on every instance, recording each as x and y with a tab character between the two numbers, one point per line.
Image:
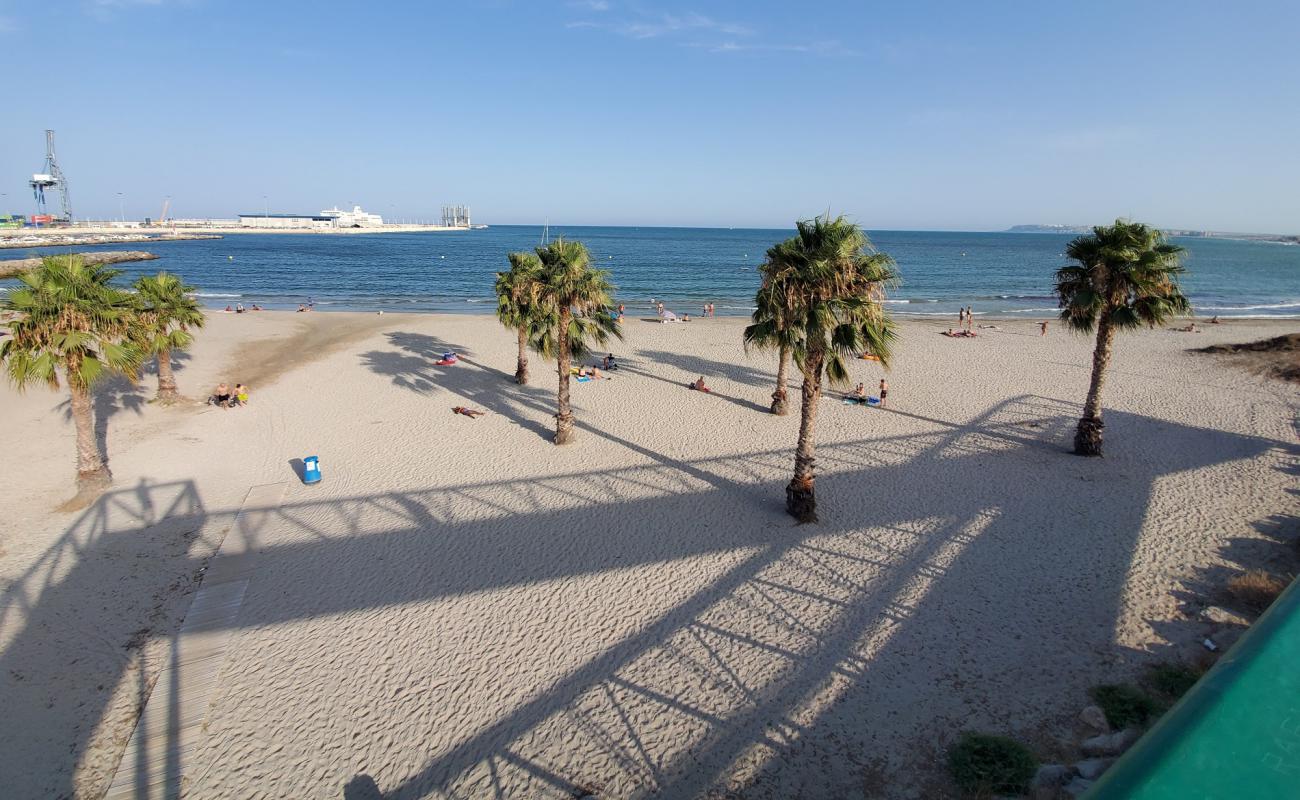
1042	328
970	318
884	392
961	317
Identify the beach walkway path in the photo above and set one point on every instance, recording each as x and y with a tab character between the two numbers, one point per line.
155	760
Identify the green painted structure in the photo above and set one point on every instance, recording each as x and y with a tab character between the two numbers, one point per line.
1236	734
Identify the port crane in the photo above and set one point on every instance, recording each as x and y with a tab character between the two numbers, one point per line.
51	177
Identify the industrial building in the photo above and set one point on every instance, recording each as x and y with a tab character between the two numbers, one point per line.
285	221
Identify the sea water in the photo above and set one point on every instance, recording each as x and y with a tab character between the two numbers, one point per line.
453	271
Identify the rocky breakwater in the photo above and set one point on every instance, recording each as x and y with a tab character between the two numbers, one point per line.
14	266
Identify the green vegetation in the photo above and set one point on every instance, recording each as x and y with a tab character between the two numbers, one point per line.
1172	681
573	313
70	321
773	309
1124	705
517	304
827	284
166	311
983	765
1126	275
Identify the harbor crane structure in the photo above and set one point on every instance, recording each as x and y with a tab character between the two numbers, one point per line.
51	177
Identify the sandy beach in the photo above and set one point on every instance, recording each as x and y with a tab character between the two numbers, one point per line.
461	609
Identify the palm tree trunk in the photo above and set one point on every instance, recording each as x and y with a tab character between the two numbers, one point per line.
800	497
564	417
779	405
521	367
92	472
166	379
1087	437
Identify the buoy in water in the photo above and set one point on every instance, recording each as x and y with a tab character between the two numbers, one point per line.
232	258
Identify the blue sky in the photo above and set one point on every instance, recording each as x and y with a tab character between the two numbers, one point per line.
909	115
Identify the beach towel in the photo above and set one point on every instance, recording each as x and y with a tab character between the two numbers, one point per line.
582	378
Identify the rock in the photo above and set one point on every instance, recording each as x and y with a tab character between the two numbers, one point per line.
1050	776
1091	769
1077	787
1222	616
1095	718
1109	744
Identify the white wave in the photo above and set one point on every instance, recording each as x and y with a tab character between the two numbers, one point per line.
216	294
1027	311
1247	308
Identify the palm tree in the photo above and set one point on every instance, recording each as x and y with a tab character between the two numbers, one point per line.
70	320
836	281
517	303
771	328
167	310
573	313
1125	275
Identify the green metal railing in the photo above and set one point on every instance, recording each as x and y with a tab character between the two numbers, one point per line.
1236	734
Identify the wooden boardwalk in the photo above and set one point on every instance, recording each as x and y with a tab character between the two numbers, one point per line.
160	751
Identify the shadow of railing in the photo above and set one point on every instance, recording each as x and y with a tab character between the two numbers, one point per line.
856	627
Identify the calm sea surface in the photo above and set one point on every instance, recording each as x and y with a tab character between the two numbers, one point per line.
997	273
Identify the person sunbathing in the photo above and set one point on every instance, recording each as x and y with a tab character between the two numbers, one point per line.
221	396
240	395
698	385
858	395
469	412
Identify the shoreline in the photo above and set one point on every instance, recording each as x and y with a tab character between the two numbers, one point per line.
903	316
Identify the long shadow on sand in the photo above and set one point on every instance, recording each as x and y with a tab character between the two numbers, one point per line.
116	395
889	609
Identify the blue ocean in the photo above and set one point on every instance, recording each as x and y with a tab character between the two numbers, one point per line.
995	273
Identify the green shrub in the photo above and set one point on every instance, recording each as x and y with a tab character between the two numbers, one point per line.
982	764
1172	680
1124	705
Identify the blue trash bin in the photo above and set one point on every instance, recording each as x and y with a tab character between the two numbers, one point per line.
311	469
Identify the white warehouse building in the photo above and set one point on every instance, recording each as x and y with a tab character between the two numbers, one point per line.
319	221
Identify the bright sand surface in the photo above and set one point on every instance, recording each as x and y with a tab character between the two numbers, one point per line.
462	609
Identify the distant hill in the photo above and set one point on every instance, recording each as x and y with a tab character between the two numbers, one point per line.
1049	229
1249	237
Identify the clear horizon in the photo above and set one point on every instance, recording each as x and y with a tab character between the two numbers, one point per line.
932	117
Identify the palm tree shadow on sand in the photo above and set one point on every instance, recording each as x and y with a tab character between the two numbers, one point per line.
812	646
